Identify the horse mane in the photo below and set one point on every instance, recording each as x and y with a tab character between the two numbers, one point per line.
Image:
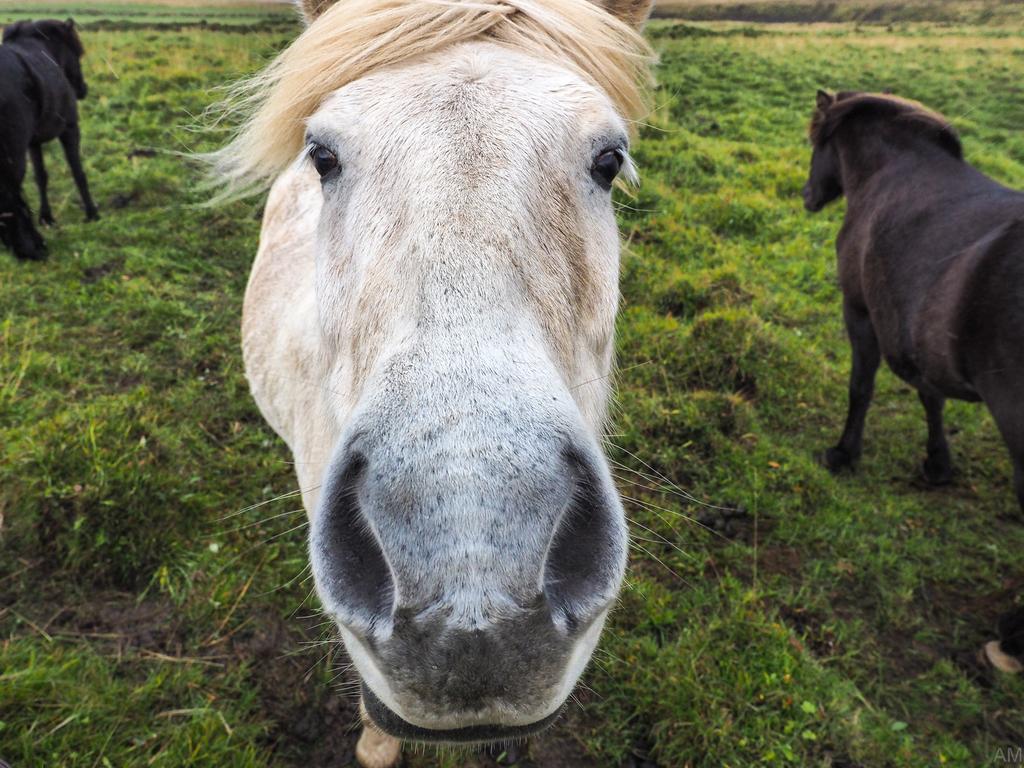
850	104
354	38
46	30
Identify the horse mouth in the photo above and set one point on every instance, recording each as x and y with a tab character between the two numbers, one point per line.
393	725
810	204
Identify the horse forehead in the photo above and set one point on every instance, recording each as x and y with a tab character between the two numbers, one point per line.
476	91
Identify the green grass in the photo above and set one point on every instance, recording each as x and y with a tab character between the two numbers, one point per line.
166	14
823	622
844	11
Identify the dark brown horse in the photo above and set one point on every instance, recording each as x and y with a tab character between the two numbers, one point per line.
40	84
931	264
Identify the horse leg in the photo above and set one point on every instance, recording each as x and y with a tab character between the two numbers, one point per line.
375	749
25	240
1015	440
35	151
1003	395
938	466
866	358
17	230
71	141
1014	435
1018	480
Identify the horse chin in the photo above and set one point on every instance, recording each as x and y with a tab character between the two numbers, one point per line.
394	725
813	204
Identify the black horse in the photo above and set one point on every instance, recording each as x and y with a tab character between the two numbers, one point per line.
40	82
931	264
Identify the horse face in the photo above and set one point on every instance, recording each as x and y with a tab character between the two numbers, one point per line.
72	66
468	537
71	59
824	184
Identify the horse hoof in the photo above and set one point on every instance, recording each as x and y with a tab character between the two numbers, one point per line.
936	473
377	750
92	215
835	460
1004	662
37	254
46	218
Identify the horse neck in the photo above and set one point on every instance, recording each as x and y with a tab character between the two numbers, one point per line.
31	48
865	152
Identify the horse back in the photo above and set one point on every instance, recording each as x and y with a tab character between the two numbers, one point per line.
910	261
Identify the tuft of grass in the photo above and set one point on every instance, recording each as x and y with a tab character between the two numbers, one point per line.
66	705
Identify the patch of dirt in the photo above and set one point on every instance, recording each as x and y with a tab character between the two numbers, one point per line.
92	274
734	523
311	725
116	622
123	201
784	561
557	747
811	627
553	749
833	760
640	755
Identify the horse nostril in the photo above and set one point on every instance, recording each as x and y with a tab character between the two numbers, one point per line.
351	573
586	559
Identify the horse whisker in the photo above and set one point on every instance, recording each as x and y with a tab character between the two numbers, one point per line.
260	522
652	507
661	563
661	539
674	488
251	507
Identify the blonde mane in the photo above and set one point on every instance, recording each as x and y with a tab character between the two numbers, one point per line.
354	38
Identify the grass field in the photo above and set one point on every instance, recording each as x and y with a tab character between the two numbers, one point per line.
150	614
946	12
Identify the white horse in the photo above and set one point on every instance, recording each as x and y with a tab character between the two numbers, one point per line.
429	326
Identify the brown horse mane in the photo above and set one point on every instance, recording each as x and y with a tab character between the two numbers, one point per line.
851	104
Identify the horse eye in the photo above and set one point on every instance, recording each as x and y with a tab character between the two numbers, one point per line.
606	167
323	159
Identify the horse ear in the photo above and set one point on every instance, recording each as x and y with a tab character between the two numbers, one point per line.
633	12
825	100
311	9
